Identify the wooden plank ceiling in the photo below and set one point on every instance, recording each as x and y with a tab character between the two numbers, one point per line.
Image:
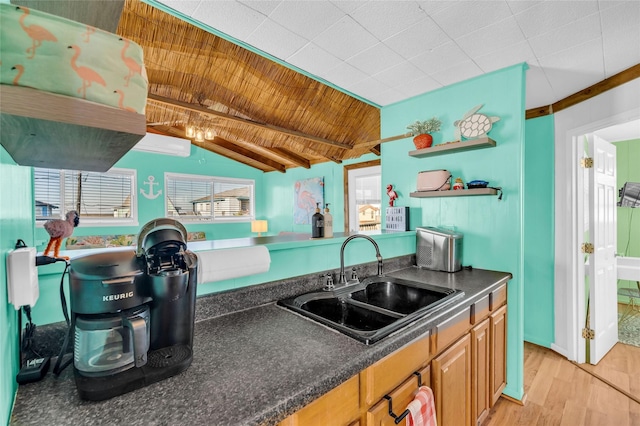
264	114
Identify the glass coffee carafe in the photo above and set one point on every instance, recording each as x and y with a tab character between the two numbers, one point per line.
109	343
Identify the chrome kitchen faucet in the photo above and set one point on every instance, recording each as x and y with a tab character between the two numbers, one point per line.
343	279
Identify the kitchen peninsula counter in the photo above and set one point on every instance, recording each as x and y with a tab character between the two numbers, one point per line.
251	367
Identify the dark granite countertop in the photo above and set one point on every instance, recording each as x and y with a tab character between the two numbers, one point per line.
250	367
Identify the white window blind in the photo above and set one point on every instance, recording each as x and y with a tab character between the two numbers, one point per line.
99	198
207	198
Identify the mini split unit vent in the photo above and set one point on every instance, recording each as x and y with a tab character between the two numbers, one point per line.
160	144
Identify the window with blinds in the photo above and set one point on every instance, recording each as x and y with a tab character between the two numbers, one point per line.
99	198
207	198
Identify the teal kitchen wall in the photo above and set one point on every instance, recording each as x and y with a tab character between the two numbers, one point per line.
274	201
539	232
16	222
493	229
279	191
200	162
628	158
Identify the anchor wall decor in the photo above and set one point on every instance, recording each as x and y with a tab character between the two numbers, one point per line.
150	195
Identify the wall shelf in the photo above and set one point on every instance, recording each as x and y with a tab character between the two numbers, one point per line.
452	193
447	148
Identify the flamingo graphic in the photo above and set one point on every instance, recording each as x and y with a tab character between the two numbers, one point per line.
87	75
87	34
305	204
131	64
37	33
20	69
121	101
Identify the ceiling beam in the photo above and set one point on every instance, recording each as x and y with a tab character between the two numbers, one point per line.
389	139
376	150
600	87
232	155
263	126
218	141
166	130
225	148
293	157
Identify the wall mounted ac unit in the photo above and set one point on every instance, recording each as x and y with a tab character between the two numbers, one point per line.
160	144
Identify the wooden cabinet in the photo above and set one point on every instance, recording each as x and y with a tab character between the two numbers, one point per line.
451	380
498	360
378	415
390	371
450	330
467	374
338	407
480	371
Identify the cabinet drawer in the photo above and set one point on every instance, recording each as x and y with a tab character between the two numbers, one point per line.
450	330
380	378
498	297
338	407
401	396
480	310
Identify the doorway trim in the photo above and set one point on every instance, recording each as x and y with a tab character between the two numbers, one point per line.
567	241
345	182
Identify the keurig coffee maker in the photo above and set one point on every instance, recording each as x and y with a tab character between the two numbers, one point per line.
133	312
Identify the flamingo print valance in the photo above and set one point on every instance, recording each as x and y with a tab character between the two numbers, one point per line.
57	55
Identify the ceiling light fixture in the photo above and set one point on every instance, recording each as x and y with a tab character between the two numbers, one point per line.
209	134
199	134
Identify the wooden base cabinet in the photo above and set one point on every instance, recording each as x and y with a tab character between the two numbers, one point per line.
451	380
480	371
464	363
378	415
338	407
498	359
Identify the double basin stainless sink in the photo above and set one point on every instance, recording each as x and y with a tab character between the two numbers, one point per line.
373	308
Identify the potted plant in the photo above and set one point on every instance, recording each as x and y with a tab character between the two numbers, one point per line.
421	131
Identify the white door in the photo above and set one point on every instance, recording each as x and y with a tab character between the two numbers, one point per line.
603	299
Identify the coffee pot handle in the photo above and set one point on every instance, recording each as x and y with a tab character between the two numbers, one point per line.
138	327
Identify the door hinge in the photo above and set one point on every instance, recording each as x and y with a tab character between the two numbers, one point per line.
586	248
586	162
588	333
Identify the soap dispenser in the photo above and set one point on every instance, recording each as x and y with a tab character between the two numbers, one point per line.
317	223
328	222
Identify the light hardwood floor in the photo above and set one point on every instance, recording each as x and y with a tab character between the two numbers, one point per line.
558	392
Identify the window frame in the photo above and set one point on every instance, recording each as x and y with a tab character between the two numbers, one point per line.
212	180
132	220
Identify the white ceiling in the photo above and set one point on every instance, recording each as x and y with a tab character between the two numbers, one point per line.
385	51
621	132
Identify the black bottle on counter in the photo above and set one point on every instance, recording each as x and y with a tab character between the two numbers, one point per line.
317	223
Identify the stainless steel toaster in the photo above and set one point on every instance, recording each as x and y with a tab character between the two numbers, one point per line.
438	249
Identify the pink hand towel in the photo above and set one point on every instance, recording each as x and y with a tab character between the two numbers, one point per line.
422	410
